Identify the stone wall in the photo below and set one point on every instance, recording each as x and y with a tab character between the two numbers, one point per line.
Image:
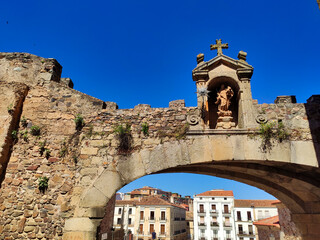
76	161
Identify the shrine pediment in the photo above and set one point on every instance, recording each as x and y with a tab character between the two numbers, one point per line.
223	90
222	64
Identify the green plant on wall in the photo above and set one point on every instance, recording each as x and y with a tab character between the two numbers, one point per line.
35	130
14	135
79	122
182	132
43	184
272	131
47	153
23	122
42	147
123	134
10	108
64	149
25	135
145	128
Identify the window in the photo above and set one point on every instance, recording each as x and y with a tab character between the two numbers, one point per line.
129	221
151	215
162	229
241	238
141	215
163	215
267	213
239	215
119	210
260	214
249	216
201	208
213	208
212	198
226	208
240	228
225	198
118	220
130	210
250	229
151	228
140	228
201	220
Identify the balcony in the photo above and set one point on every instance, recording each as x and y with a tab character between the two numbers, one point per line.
162	219
140	232
201	213
151	219
202	224
226	212
214	212
245	233
215	238
227	225
214	224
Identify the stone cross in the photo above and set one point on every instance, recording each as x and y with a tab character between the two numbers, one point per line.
219	46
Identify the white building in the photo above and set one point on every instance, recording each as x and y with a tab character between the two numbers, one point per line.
124	215
214	216
247	211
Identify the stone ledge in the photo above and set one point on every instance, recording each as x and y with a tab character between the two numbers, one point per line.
221	132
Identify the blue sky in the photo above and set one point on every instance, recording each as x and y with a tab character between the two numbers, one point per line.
143	51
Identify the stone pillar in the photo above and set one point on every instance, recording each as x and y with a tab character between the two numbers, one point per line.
246	109
308	225
81	229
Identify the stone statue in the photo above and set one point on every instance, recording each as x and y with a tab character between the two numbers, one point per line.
223	99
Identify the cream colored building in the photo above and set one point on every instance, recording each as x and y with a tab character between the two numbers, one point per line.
151	214
167	220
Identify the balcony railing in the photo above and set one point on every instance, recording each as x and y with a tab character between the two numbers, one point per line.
202	224
162	219
227	224
151	219
214	212
226	212
214	224
140	232
245	233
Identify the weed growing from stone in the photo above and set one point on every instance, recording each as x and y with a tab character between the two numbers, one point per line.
64	149
35	130
10	109
42	147
47	153
272	131
14	135
23	122
79	122
43	184
145	128
25	135
123	134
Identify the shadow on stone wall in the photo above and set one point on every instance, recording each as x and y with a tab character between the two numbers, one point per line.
313	112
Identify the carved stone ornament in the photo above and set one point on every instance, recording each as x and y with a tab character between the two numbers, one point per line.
261	119
193	118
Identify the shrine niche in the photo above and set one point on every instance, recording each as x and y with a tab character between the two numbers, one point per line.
224	91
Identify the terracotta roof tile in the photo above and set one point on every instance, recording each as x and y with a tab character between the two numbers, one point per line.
271	221
155	200
254	203
217	193
125	202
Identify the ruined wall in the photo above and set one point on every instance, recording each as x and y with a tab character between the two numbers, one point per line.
77	158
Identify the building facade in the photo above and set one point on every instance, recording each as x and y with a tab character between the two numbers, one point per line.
213	215
149	215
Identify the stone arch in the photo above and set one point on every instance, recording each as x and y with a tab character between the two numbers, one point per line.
295	184
213	86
